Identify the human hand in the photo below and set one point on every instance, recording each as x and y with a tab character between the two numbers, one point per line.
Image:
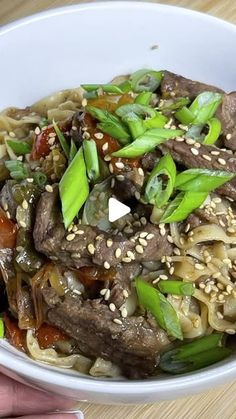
18	400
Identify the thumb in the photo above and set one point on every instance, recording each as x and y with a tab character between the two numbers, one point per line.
78	415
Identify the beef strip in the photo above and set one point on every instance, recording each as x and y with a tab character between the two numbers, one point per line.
181	152
182	87
134	345
149	160
126	187
122	281
200	217
227	115
91	247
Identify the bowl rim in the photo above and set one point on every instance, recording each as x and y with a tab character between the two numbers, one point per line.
223	370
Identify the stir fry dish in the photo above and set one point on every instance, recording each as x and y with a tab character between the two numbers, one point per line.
152	291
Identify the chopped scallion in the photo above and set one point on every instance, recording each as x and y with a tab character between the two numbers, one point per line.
91	159
61	138
176	287
146	80
202	180
183	204
19	147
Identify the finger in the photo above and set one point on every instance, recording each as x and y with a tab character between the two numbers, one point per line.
17	399
59	416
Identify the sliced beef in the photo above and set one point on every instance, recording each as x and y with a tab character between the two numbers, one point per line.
149	160
128	182
122	281
134	345
90	246
201	216
173	84
183	153
227	115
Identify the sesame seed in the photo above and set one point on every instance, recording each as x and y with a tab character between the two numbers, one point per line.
229	289
168	259
143	221
5	206
99	136
194	151
231	229
117	321
112	307
91	249
109	242
113	183
207	289
105	147
131	255
106	265
124	312
197	145
120	178
140	171
230	331
179	139
228	136
181	240
206	157
8	215
137	224
119	165
22	224
86	135
222	161
150	236
79	232
118	253
111	168
12	134
220	286
202	285
126	260
49	188
107	157
199	267
137	195
217	200
164	277
29	179
155	281
187	228
215	153
25	204
51	141
77	292
190	141
139	249
208	259
143	242
19	248
221	297
171	270
56	158
162	232
125	293
70	237
177	251
107	295
103	291
37	131
219	315
84	102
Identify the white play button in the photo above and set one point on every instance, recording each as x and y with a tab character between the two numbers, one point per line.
116	209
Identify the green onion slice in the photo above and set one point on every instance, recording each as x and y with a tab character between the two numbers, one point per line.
198	354
154	192
147	142
91	159
184	115
154	301
40	179
183	204
108	88
110	124
135	124
140	110
201	180
176	287
17	169
73	188
19	147
214	132
143	98
61	138
204	106
146	80
73	151
1	328
167	105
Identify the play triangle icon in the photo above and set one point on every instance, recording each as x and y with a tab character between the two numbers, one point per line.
116	209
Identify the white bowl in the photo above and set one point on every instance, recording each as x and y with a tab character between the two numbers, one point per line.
94	42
